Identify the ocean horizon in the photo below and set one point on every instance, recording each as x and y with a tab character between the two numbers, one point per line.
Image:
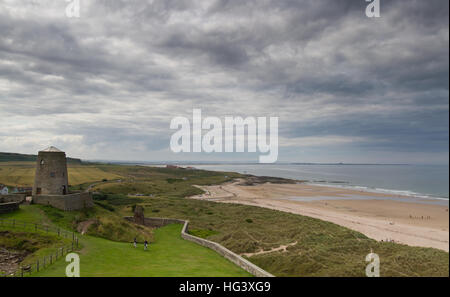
422	181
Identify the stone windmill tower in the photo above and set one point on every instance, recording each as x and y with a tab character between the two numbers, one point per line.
51	173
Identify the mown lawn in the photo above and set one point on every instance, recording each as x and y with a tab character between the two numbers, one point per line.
168	254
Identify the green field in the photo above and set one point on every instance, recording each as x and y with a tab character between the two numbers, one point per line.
168	255
22	174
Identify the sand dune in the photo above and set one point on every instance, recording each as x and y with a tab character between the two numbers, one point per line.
377	216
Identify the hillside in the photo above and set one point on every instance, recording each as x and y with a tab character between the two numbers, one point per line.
14	157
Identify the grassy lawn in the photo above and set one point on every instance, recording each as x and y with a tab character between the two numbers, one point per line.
169	255
27	213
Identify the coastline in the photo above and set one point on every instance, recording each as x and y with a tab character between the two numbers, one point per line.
377	215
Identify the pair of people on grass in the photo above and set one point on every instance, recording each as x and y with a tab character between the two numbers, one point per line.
145	244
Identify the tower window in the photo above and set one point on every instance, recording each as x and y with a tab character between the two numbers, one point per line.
42	162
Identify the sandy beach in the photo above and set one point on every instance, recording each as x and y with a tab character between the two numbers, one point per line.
378	216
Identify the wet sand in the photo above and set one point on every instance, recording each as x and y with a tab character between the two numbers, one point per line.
415	222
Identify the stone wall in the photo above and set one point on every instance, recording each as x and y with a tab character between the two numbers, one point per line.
19	197
68	202
51	174
235	258
9	207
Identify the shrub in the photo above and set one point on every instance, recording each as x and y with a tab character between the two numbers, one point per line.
120	199
173	180
105	206
99	196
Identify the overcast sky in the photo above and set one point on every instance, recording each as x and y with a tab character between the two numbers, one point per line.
346	88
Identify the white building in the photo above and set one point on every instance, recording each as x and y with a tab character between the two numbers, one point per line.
4	191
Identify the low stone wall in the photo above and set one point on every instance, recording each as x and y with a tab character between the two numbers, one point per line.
19	197
235	258
9	207
68	202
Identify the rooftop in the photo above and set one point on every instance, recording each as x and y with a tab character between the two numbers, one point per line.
52	149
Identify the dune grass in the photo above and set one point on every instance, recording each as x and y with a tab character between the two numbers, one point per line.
321	249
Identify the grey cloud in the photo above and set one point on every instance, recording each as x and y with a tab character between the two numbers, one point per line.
132	65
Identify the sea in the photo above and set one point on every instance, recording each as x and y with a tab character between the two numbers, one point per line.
419	181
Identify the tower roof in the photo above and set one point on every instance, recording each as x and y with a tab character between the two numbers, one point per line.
52	149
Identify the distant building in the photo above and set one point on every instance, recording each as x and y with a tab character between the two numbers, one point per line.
4	190
51	182
171	166
51	173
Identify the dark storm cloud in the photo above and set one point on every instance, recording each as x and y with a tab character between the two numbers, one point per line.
117	75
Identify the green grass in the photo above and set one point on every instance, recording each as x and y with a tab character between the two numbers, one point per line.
27	213
35	244
169	255
162	182
106	224
321	249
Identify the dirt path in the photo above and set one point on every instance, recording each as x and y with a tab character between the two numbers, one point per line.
281	248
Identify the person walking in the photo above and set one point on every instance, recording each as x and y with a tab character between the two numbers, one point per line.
145	245
135	242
